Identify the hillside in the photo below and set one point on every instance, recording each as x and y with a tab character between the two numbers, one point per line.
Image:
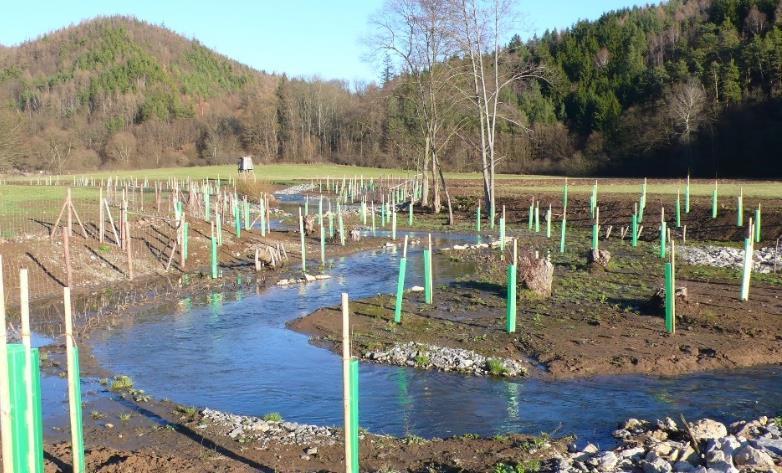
121	93
659	90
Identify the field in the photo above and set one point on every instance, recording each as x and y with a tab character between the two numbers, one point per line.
596	321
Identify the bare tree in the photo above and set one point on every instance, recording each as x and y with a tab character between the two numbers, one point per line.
686	106
10	139
121	147
479	26
416	33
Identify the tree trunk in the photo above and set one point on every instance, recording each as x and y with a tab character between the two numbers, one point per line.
437	203
424	176
447	195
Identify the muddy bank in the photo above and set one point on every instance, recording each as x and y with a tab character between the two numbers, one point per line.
595	322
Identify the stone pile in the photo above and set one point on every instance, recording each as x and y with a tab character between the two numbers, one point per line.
265	432
722	257
446	359
667	447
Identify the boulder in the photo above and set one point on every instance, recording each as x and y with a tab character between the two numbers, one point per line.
750	457
658	298
536	274
708	429
309	225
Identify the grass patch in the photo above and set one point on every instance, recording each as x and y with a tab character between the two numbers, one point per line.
496	367
187	411
272	417
422	360
121	383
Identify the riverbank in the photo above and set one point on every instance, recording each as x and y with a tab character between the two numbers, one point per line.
596	322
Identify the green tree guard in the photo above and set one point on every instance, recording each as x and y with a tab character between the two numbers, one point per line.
634	229
670	294
78	449
20	405
564	196
757	224
410	213
531	217
478	218
687	196
562	235
740	209
537	217
185	238
354	423
400	289
595	241
714	202
663	231
428	276
548	222
237	223
678	211
510	318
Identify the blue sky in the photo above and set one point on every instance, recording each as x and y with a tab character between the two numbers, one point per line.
298	37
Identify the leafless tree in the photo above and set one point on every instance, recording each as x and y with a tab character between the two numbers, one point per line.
417	34
686	106
478	26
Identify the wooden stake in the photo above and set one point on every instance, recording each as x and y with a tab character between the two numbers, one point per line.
101	218
346	353
129	247
73	381
66	245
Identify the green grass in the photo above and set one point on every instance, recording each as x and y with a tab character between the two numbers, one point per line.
496	367
21	198
121	383
273	417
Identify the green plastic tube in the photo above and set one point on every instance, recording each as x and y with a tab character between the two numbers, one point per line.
595	242
478	219
562	235
354	423
214	258
663	242
634	229
502	234
75	393
400	289
678	211
428	276
670	294
510	316
757	224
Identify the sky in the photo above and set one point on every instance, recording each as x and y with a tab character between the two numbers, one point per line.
302	38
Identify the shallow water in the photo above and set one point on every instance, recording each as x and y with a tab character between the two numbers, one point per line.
235	354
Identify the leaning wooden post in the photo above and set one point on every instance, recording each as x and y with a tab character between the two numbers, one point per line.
346	391
303	245
510	318
5	391
400	284
74	388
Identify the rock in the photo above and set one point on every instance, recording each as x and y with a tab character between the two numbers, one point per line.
598	259
749	456
667	424
311	451
607	461
321	277
355	235
416	289
309	278
683	467
633	424
309	225
658	298
657	466
708	429
536	274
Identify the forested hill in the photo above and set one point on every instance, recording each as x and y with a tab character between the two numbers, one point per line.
688	84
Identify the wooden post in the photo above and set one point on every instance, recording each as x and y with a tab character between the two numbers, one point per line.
66	245
70	215
101	219
24	301
129	247
5	392
346	353
74	390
